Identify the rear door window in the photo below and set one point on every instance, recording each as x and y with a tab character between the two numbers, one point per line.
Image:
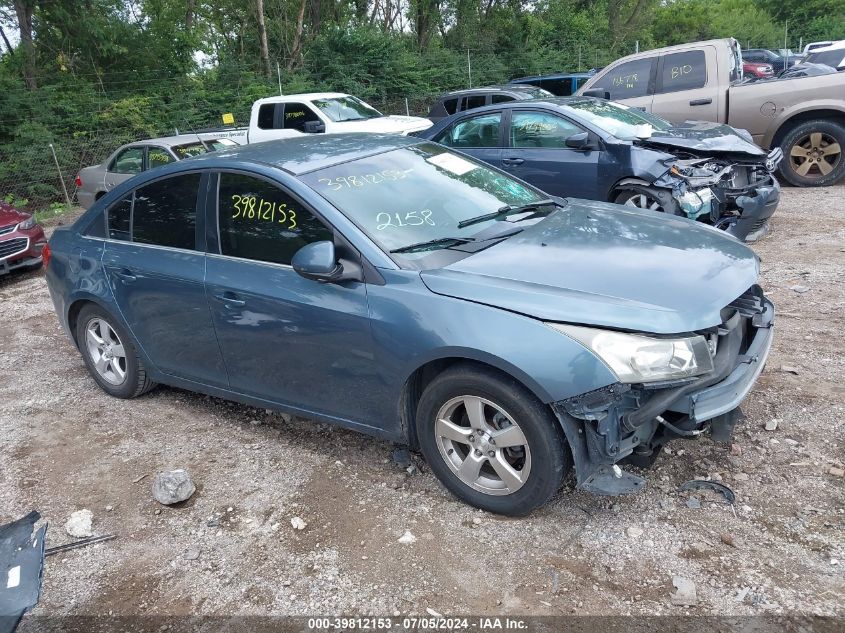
628	80
473	101
260	221
501	99
129	161
682	71
266	116
479	131
165	212
451	105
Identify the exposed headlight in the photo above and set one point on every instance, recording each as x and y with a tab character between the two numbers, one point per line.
635	358
27	224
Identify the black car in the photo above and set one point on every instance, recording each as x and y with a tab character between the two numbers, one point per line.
596	149
462	100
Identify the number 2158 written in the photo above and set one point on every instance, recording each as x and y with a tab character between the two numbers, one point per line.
252	208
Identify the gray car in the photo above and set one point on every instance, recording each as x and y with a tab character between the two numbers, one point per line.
94	182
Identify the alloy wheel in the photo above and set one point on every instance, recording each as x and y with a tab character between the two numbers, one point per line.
483	445
106	351
815	155
642	201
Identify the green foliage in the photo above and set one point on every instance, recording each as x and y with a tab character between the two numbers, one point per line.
111	71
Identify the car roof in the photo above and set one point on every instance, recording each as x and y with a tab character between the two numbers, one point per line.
308	152
578	75
166	141
495	88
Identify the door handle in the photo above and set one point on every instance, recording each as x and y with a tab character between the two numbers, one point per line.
698	102
231	300
512	161
125	275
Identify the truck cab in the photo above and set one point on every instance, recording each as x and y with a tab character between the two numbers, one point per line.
323	112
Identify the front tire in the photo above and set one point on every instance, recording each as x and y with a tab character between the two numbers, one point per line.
650	198
109	354
490	441
813	154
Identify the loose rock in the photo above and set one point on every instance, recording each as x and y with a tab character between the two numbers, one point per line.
79	524
728	539
837	472
685	594
771	425
407	538
191	554
298	524
634	532
173	486
800	289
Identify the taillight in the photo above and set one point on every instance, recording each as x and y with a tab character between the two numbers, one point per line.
78	181
45	255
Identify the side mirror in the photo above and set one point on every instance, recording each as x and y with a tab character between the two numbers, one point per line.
314	127
598	94
317	261
578	141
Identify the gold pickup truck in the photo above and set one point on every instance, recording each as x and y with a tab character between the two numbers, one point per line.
804	116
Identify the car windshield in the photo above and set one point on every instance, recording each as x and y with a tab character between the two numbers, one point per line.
418	193
834	58
189	150
349	108
621	121
537	93
220	143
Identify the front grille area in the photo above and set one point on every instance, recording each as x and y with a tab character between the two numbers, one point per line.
12	247
7	229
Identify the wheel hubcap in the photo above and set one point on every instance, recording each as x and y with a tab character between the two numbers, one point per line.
106	351
815	155
642	201
483	445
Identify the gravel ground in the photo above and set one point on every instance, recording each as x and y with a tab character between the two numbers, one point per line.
231	549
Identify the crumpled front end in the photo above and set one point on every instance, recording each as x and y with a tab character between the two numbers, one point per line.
736	195
606	426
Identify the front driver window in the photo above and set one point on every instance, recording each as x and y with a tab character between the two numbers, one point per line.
480	131
259	221
297	115
539	129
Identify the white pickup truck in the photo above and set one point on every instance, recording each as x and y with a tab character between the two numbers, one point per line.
313	113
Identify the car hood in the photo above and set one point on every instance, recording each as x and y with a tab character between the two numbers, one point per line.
10	215
393	124
704	137
606	265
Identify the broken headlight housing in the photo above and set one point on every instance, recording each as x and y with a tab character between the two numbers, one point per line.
636	358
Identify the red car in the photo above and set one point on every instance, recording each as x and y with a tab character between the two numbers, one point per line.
758	70
21	239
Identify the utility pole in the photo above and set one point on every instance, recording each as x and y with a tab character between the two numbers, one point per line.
469	69
637	46
279	73
579	57
785	33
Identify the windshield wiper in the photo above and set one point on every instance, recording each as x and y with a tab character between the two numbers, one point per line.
443	242
508	210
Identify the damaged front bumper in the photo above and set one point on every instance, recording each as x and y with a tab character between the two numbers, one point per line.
605	426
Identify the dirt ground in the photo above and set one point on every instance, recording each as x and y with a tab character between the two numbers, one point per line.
65	445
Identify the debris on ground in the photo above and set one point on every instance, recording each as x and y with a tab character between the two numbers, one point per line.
407	538
800	289
173	486
693	503
21	568
79	524
714	486
789	369
77	544
402	457
297	523
685	594
771	425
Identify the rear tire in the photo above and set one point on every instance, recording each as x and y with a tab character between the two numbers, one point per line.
490	441
110	354
809	150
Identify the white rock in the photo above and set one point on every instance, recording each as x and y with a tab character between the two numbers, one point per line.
298	524
635	532
685	594
79	524
771	425
407	538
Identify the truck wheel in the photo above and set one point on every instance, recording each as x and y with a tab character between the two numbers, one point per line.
813	154
490	441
